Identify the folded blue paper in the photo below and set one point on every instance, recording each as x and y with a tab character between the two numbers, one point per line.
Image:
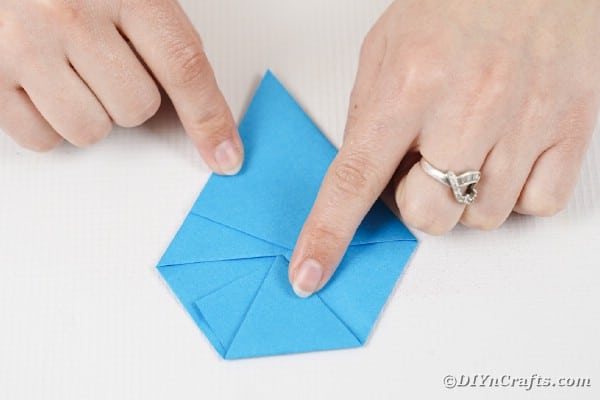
228	263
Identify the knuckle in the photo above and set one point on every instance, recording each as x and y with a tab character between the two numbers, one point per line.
9	29
493	81
66	12
90	134
326	237
551	206
350	178
188	62
422	68
428	74
492	87
543	204
421	215
356	175
415	78
44	145
39	144
573	141
369	44
485	222
140	113
26	52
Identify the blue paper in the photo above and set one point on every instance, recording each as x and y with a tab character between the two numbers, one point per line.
228	263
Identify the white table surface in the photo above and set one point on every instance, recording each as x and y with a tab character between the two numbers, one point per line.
85	315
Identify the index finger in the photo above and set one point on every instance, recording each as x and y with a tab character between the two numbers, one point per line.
364	165
164	37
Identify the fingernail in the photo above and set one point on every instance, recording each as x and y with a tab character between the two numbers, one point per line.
307	279
228	157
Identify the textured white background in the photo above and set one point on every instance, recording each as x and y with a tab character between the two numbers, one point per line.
84	314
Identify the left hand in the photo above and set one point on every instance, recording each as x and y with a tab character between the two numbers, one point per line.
510	88
70	70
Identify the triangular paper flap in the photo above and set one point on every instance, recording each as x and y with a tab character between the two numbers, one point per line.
363	281
279	322
225	309
192	281
380	225
200	239
286	160
259	213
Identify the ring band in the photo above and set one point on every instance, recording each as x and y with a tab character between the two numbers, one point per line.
466	180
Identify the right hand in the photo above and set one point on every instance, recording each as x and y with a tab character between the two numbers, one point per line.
508	88
67	71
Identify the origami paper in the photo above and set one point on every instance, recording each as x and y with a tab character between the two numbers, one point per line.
228	263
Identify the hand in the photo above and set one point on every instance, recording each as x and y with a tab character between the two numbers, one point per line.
67	71
510	88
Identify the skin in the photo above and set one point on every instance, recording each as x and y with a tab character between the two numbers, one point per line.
70	69
510	88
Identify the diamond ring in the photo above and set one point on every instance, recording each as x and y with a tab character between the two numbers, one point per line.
467	181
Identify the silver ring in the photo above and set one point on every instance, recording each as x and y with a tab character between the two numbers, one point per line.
467	180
